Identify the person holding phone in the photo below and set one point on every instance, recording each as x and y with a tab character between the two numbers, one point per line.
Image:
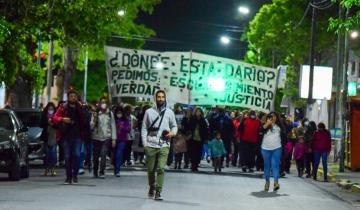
273	140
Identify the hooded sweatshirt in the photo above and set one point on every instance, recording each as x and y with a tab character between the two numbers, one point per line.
168	123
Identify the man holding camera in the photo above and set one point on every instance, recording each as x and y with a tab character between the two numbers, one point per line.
159	126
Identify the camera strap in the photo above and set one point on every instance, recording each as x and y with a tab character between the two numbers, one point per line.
152	124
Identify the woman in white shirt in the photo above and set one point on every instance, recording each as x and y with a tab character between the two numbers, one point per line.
271	148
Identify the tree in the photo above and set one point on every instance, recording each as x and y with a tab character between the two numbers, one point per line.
77	26
276	36
351	22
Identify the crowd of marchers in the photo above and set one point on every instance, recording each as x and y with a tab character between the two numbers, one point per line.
85	136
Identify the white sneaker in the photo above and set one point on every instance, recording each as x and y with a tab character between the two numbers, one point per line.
81	171
167	167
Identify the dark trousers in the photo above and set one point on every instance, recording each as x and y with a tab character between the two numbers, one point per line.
217	163
61	153
72	148
227	145
308	163
187	154
236	154
100	151
247	154
259	160
195	153
127	151
300	166
178	159
139	156
170	157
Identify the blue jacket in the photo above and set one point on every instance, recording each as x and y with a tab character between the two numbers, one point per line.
216	148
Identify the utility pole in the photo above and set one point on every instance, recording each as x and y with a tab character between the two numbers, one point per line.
312	56
86	75
49	72
344	97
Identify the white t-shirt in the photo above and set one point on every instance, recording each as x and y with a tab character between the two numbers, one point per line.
272	139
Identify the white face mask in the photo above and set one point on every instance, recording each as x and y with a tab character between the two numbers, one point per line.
51	111
119	115
306	123
103	106
252	116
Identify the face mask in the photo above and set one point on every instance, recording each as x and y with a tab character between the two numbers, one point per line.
119	115
252	116
306	123
51	112
103	106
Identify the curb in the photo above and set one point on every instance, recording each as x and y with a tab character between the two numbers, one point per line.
331	176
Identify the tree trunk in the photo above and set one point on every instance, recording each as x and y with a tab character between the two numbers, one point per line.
64	76
20	94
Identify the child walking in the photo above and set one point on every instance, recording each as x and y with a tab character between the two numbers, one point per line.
217	151
299	156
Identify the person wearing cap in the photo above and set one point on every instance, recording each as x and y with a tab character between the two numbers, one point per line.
70	120
159	126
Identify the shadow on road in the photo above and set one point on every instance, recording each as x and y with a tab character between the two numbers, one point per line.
263	194
145	198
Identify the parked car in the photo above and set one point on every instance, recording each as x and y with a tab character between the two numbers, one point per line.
31	118
13	146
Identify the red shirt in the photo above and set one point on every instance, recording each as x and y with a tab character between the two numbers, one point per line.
236	123
321	141
250	131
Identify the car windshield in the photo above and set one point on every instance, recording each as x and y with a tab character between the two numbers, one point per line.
29	119
5	121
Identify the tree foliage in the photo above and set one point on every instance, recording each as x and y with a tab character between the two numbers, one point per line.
350	23
80	25
280	35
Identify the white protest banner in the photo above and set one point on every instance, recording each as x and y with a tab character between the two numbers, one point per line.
212	81
139	73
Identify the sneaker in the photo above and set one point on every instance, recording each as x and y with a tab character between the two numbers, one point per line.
151	193
96	175
276	186
117	175
158	196
267	186
102	176
53	172
167	167
67	181
251	170
81	171
75	180
46	173
243	169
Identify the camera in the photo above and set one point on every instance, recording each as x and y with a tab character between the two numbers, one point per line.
164	133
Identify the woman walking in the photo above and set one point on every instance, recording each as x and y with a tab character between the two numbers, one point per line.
123	128
321	147
271	148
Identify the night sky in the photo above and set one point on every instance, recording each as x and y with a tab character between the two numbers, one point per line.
184	25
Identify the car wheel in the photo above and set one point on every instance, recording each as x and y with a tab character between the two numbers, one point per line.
15	168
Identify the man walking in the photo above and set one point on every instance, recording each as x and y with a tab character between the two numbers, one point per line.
159	126
69	119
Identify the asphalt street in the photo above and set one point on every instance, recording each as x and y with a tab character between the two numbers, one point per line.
182	191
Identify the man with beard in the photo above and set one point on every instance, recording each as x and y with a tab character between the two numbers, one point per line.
159	126
70	122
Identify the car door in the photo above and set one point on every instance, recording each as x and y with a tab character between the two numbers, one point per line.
21	135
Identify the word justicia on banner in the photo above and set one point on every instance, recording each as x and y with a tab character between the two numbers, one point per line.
190	78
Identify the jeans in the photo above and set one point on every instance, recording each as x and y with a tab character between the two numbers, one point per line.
119	154
72	148
272	160
317	157
155	163
50	159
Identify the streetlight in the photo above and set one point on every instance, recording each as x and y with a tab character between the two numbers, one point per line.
244	10
225	40
354	34
121	13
